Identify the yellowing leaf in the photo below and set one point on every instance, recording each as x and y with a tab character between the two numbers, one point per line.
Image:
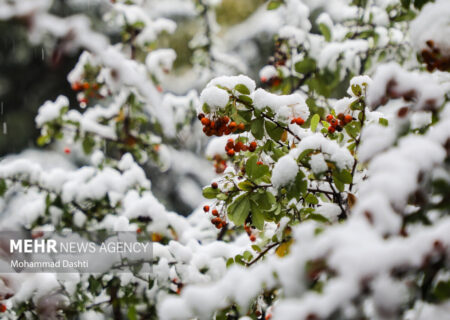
284	136
351	199
283	249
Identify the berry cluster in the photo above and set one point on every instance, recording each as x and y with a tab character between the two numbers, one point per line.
89	90
248	229
217	220
339	123
434	59
299	121
231	148
219	126
220	164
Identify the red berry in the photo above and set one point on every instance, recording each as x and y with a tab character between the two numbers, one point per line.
331	129
241	126
238	146
2	308
329	117
259	163
293	121
215	213
252	146
67	150
334	122
299	121
206	208
214	185
138	230
348	118
200	116
232	126
341	116
76	86
252	238
205	121
230	152
263	79
86	86
225	119
230	144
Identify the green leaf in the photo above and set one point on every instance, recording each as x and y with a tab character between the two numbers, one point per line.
242	89
312	199
206	108
317	217
338	183
256	248
244	116
345	176
442	290
247	255
351	146
210	193
356	89
257	128
240	208
298	188
230	261
305	66
314	122
255	171
353	129
131	314
264	200
3	187
273	130
246	99
272	5
88	144
245	186
383	122
239	259
257	215
325	31
356	105
304	154
222	196
43	140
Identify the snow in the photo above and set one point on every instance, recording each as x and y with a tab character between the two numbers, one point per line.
214	97
318	164
51	110
229	82
267	73
330	211
160	61
284	171
432	23
295	35
286	106
330	150
391	78
392	164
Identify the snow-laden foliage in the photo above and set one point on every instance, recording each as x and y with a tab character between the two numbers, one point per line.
330	196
